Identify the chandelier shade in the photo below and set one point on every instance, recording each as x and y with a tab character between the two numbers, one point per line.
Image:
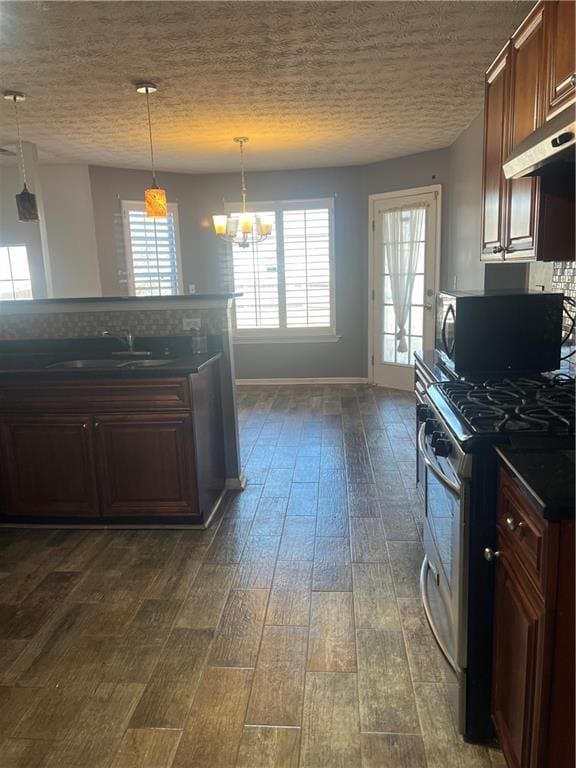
156	203
26	205
244	228
154	197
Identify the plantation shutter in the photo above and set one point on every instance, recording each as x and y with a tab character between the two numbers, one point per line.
256	277
286	280
152	248
307	267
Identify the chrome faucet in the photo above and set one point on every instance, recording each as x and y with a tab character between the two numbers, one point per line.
127	339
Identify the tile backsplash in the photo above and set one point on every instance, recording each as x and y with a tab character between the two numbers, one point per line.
564	279
150	322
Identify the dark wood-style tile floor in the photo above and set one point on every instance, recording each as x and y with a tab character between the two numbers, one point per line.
289	634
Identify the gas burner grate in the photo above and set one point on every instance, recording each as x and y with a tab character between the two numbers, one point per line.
514	405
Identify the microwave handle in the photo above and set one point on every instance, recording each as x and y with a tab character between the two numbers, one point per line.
449	350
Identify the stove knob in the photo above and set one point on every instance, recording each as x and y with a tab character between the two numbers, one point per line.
422	412
443	447
431	426
436	435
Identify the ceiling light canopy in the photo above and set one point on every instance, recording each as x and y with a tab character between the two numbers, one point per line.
154	196
246	228
25	201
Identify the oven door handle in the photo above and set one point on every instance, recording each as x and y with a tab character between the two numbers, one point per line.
454	487
426	565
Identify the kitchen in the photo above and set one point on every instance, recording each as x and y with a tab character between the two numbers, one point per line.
287	466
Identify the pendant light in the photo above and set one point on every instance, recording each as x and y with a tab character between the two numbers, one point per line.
154	197
246	229
25	201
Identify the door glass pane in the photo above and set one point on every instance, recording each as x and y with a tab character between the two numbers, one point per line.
408	248
389	319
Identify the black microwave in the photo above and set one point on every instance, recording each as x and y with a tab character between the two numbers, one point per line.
496	331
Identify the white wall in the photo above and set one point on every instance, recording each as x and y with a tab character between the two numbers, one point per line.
69	219
461	266
71	232
14	232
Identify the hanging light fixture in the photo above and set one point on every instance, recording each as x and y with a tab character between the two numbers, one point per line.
25	201
154	197
244	229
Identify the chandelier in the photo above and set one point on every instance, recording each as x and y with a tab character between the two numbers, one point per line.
154	197
25	201
244	229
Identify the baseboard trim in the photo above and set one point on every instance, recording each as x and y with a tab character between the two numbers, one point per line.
236	483
323	380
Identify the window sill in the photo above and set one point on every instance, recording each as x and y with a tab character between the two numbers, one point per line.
249	337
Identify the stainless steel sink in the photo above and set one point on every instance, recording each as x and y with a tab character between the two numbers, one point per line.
146	363
107	364
92	364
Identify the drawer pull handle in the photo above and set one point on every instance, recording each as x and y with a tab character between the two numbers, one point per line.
490	555
513	525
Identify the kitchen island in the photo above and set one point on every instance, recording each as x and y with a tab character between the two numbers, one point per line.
112	441
110	416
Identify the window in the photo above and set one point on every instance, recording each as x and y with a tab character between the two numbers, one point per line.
15	282
152	251
286	280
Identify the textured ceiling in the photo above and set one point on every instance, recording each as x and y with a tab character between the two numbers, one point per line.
311	83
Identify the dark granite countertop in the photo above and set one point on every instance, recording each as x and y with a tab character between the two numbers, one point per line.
547	477
6	306
37	366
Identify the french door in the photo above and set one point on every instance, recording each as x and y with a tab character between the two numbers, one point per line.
404	260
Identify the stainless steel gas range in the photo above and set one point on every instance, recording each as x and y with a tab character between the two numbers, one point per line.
458	424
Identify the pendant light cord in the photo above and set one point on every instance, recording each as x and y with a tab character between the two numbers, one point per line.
150	137
20	150
242	176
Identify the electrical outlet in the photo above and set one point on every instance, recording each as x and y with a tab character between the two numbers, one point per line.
455	282
192	288
191	324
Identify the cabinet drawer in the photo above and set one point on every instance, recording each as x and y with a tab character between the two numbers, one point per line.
523	530
104	395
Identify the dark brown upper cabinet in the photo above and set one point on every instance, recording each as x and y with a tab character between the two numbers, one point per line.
495	107
525	115
525	219
561	80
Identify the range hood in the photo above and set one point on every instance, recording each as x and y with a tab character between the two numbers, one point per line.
552	143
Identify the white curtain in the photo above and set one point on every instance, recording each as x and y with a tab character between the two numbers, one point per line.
403	231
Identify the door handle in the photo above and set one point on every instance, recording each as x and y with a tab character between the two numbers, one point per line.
426	565
446	482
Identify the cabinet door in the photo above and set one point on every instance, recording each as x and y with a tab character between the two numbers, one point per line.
525	115
146	465
494	183
47	466
518	632
560	42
